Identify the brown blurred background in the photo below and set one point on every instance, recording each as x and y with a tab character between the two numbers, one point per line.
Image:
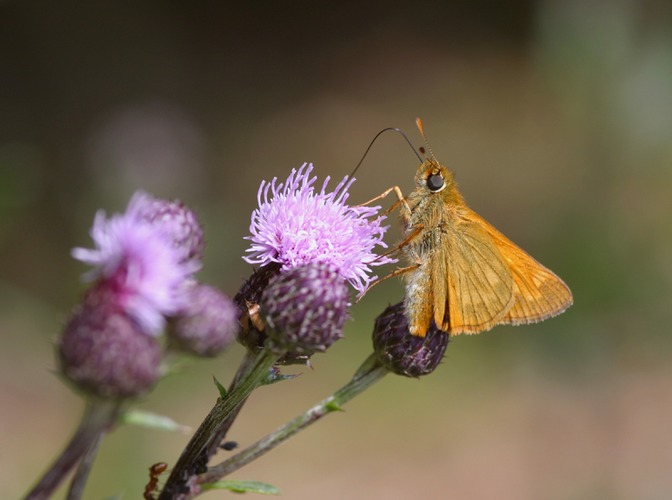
556	117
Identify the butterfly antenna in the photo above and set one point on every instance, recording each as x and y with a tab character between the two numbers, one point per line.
418	122
374	140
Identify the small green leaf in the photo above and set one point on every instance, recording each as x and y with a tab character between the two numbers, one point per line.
333	406
278	377
152	421
243	487
220	387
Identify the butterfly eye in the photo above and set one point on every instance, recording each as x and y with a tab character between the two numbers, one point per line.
435	182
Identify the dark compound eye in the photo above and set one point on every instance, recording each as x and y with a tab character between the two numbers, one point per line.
435	182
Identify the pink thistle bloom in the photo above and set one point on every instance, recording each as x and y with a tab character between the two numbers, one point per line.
138	260
296	224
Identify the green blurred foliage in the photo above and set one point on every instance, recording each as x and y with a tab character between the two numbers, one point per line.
556	117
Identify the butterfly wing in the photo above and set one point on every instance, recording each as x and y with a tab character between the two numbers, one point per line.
538	292
473	287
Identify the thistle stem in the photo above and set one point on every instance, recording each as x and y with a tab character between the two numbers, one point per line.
368	373
226	424
98	417
190	461
81	475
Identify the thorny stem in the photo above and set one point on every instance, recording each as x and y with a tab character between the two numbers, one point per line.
98	417
190	461
369	372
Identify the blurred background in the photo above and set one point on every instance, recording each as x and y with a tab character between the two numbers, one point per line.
556	117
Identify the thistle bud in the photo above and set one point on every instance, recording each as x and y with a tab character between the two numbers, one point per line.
105	352
179	221
208	324
305	309
400	351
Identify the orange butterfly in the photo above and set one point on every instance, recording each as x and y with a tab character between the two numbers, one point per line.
465	275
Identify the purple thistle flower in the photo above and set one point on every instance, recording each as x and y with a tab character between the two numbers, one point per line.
295	224
138	259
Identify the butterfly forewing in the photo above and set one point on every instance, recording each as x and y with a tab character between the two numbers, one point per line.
538	292
478	282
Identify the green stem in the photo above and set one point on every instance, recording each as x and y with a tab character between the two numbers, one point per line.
81	475
226	424
98	417
188	463
369	373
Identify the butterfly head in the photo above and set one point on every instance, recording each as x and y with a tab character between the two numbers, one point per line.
433	178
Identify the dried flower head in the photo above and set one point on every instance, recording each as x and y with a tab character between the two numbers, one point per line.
140	262
295	224
251	333
400	351
305	309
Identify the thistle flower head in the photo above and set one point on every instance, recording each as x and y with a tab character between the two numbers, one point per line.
139	260
297	224
403	353
305	309
105	352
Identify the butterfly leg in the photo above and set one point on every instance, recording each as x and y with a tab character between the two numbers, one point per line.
396	272
416	231
401	200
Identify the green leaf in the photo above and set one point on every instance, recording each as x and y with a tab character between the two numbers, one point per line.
152	421
243	487
220	387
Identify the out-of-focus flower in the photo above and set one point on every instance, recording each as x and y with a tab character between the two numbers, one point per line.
105	352
403	353
140	261
305	309
178	221
295	225
208	324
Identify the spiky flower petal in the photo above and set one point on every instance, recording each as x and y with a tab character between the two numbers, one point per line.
297	224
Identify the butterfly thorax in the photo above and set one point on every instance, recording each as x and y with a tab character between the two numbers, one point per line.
433	212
